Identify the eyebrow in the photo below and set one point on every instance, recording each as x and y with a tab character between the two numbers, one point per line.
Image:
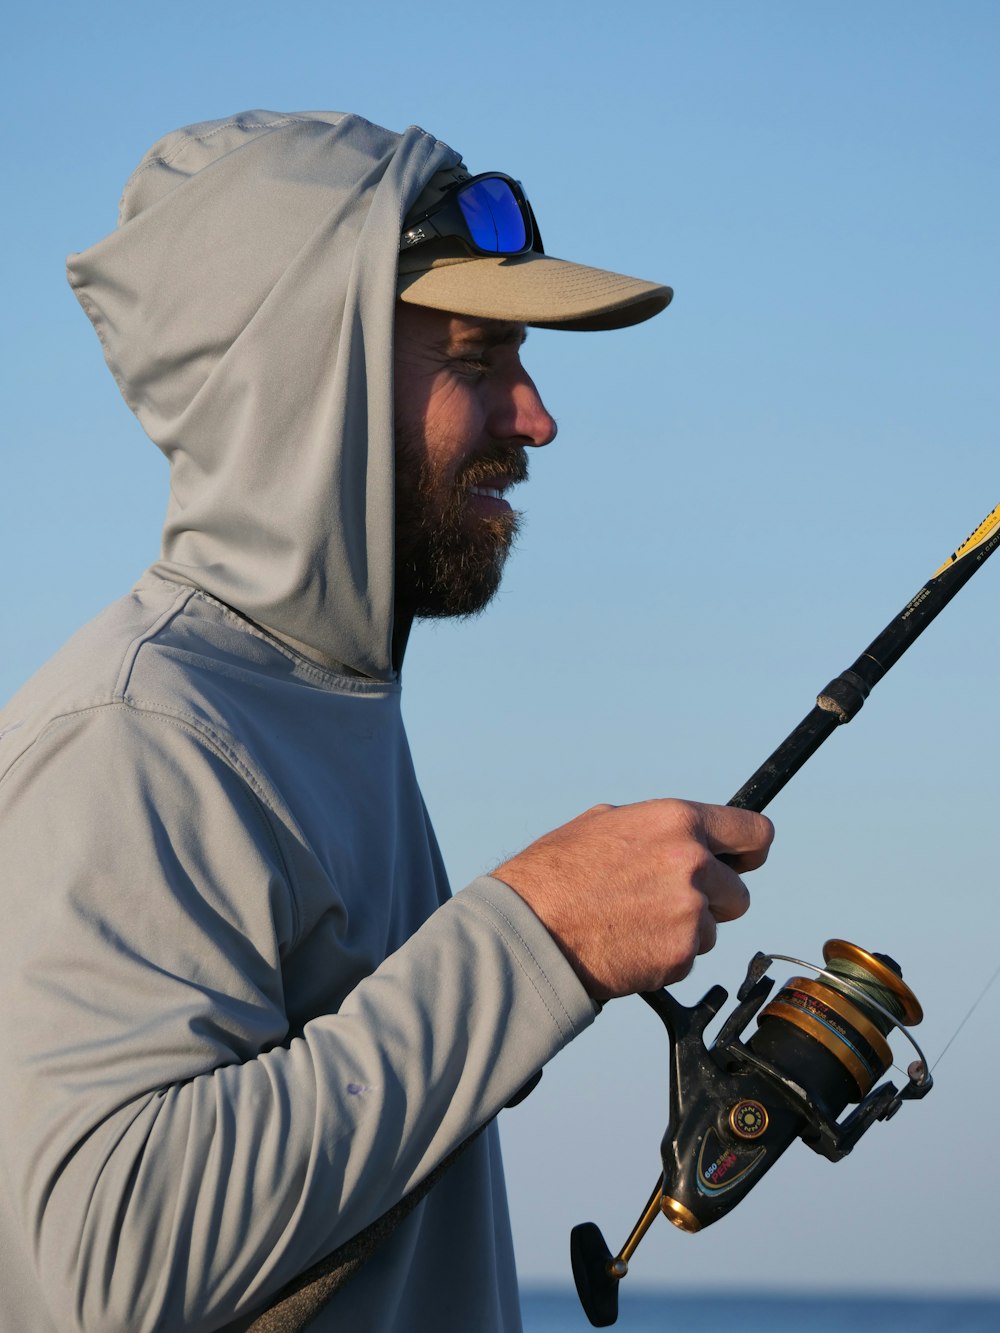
493	334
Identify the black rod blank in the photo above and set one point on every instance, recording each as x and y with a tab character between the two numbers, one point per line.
843	697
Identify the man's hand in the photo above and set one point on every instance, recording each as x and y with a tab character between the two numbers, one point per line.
632	893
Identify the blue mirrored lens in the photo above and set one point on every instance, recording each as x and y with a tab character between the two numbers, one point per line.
493	216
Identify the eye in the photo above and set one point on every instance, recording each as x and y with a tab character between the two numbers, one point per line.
475	366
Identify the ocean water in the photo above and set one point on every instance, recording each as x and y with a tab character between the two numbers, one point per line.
548	1310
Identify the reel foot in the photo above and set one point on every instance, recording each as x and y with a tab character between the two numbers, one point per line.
592	1273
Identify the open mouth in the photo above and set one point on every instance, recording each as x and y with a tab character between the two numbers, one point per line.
489	500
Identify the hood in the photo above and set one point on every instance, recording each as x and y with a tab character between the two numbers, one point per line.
245	307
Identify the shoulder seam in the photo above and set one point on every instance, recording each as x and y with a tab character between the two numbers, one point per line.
150	632
213	742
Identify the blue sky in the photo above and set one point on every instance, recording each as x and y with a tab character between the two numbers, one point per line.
743	492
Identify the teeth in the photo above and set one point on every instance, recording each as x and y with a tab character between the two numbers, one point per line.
487	490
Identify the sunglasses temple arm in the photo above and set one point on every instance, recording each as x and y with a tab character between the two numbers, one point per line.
536	243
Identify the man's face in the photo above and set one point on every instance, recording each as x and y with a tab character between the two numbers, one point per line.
465	411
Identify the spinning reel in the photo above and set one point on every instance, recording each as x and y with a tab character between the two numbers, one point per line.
819	1046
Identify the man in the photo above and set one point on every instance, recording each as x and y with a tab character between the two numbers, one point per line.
245	1016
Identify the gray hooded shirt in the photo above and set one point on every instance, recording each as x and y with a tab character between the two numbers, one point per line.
244	1016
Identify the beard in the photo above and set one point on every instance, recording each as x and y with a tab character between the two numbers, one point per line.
450	560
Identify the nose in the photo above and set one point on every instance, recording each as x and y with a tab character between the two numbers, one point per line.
522	416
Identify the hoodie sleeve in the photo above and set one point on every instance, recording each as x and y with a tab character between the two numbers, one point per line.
175	1153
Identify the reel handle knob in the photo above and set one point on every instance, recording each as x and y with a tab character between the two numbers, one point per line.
596	1285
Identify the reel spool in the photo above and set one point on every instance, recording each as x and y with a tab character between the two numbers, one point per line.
831	1033
819	1046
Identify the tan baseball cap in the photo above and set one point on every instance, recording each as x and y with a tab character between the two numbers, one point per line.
530	289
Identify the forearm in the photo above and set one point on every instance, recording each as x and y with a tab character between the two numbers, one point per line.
196	1201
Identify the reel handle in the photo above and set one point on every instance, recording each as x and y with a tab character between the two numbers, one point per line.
596	1273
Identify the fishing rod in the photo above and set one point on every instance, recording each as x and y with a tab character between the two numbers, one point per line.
819	1046
845	695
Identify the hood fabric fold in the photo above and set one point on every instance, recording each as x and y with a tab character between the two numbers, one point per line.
245	306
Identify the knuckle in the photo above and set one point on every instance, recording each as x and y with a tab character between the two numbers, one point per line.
699	863
602	808
689	932
682	815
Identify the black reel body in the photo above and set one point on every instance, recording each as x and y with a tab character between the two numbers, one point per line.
819	1046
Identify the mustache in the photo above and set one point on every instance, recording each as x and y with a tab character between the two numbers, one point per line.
502	460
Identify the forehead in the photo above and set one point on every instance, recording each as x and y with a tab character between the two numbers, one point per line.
440	328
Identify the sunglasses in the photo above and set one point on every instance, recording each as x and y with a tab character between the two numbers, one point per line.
489	213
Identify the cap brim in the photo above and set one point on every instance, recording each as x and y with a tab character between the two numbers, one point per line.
530	289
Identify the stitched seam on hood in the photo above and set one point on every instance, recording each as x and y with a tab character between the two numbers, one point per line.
165	159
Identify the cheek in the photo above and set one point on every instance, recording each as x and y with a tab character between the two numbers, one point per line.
454	428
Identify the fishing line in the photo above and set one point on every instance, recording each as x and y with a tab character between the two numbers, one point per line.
975	1005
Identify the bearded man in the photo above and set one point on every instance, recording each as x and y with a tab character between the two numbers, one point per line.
246	1017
